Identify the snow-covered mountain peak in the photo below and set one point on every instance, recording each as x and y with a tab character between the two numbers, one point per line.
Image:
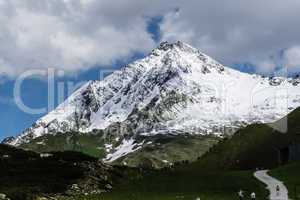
176	88
176	57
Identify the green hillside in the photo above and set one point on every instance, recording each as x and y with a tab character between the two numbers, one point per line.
164	150
157	151
256	145
90	144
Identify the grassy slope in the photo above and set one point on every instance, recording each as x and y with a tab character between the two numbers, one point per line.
86	143
254	146
290	175
185	183
166	149
162	147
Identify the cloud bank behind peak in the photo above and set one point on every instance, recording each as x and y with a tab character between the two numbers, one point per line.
80	34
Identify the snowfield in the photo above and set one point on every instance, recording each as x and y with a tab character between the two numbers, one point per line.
127	146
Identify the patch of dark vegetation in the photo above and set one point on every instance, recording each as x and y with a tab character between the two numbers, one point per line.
24	175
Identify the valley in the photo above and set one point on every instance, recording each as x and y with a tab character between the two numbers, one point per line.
215	175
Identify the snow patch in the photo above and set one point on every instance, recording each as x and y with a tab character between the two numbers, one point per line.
126	147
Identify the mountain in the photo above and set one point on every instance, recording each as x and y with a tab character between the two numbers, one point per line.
8	140
175	90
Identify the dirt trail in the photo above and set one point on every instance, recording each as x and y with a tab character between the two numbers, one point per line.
271	185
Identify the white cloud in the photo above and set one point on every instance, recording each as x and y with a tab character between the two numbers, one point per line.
292	57
75	35
235	31
287	62
70	35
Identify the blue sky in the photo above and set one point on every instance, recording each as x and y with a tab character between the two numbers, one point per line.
107	35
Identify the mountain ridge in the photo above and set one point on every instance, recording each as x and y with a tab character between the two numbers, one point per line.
176	89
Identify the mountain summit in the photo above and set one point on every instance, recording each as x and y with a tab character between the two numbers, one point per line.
175	89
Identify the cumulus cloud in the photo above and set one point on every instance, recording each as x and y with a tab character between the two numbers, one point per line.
71	35
235	31
292	57
286	62
75	35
